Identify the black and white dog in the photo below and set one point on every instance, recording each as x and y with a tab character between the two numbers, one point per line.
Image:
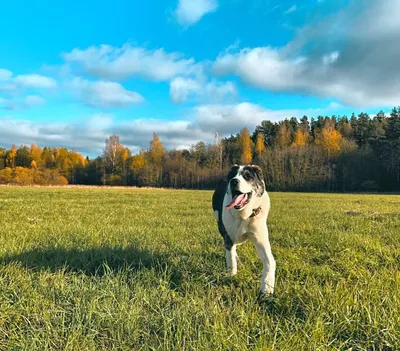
241	205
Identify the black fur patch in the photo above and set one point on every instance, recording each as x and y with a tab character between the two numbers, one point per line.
254	175
233	172
218	204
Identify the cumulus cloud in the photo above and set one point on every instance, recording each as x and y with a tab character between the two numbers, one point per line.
33	100
35	81
189	12
346	56
103	93
5	74
200	123
181	89
17	103
117	63
10	83
263	67
87	137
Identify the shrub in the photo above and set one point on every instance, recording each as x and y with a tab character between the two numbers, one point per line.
61	180
22	176
6	175
115	180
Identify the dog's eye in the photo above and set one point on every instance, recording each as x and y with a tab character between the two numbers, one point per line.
247	175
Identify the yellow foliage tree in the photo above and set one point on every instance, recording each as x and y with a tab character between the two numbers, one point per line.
245	146
301	138
283	137
138	162
35	154
11	157
125	154
156	151
156	155
329	139
260	144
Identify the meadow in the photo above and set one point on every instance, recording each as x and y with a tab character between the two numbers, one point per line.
142	269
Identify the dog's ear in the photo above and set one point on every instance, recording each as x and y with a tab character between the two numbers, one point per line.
233	171
258	171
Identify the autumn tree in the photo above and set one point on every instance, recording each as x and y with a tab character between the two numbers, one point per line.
35	154
10	158
245	146
329	139
260	144
3	156
47	158
156	150
125	155
301	138
156	155
283	137
138	161
112	152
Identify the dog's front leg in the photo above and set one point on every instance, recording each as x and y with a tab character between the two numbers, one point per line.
264	252
231	260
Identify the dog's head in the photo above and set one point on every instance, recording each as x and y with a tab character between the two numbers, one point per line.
245	184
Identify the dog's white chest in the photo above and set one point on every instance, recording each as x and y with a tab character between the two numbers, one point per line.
236	227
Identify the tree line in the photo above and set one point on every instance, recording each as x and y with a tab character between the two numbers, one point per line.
336	153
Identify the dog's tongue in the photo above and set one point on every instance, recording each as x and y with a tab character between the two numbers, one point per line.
236	201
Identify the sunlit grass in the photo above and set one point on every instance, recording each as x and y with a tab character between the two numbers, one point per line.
129	269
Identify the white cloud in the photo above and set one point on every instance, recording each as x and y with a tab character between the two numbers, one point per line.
330	58
263	67
108	62
16	103
191	11
33	100
345	56
291	9
5	74
103	93
201	123
181	89
87	137
35	81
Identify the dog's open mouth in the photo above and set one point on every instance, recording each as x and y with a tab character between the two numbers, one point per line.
239	200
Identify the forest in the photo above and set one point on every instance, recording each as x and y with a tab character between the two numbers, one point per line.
323	154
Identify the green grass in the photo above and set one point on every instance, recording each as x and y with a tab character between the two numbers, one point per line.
129	269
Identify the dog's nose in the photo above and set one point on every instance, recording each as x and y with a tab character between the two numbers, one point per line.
235	181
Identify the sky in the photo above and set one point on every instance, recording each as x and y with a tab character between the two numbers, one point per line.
72	74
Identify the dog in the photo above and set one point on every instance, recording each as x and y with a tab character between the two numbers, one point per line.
241	205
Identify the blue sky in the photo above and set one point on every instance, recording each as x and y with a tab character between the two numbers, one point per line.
72	74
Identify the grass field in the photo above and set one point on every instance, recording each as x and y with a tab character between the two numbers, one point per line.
129	269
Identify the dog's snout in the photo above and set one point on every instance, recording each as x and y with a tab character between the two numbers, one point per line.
234	181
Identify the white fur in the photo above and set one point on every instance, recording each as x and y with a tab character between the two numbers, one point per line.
231	260
241	228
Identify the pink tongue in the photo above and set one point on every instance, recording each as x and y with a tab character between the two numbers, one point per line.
236	201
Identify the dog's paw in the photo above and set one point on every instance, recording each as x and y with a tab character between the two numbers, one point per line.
232	272
266	290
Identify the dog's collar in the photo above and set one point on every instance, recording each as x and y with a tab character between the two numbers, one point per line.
255	212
